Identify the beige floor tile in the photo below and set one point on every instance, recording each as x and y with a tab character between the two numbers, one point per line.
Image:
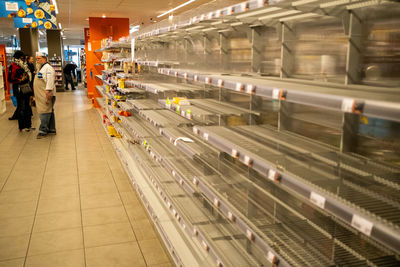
17	209
57	221
92	168
71	258
136	212
104	215
121	255
13	263
98	188
13	247
59	204
18	196
55	241
16	226
60	180
144	230
108	234
124	185
59	191
96	177
21	184
100	200
130	198
153	252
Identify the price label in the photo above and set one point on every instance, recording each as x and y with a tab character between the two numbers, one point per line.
250	89
239	87
27	20
317	200
229	10
196	78
205	135
271	257
231	216
272	174
362	225
11	6
210	15
185	75
220	83
235	153
275	94
207	80
348	104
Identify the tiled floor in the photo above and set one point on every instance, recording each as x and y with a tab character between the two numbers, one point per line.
66	201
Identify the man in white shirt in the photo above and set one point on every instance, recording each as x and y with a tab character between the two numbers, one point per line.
45	90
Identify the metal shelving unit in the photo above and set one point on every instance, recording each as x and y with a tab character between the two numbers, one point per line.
255	170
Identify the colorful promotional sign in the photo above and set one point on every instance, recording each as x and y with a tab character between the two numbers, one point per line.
30	13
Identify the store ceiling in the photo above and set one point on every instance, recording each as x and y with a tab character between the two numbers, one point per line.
73	14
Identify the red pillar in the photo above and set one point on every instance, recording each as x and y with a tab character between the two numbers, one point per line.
101	28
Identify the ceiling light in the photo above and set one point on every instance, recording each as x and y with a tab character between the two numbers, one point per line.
281	14
175	8
258	12
104	16
87	19
55	5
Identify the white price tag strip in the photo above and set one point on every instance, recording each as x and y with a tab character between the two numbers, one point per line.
317	200
348	105
362	225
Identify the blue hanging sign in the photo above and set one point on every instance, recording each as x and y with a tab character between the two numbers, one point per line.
30	13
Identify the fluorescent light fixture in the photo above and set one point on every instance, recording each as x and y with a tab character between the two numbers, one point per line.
175	8
258	12
303	2
301	16
59	25
281	14
55	5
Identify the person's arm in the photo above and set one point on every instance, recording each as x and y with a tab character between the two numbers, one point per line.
50	83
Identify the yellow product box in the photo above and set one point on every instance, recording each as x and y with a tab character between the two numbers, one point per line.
121	83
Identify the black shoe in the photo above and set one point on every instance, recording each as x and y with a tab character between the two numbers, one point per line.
12	119
41	135
52	132
73	88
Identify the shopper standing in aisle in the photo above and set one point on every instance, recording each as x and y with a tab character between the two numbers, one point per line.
20	77
45	90
69	71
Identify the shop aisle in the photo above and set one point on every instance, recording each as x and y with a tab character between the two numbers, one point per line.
65	200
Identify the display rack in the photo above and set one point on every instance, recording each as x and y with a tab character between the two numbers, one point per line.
254	170
56	63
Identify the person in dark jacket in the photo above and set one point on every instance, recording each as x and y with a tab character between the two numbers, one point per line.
69	71
18	75
31	66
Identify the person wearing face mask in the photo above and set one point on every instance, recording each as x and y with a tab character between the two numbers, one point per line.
45	90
